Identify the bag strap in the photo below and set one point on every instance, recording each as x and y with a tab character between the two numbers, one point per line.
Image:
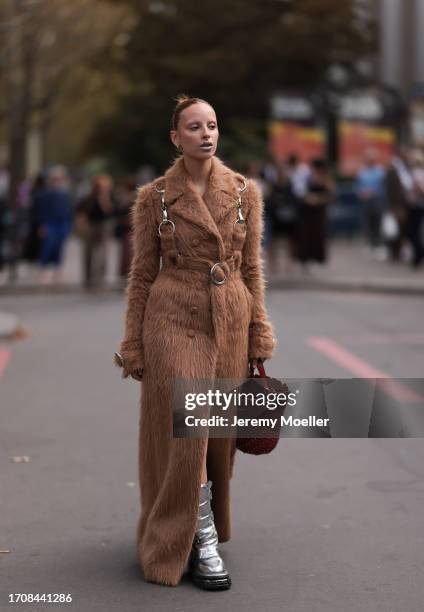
166	228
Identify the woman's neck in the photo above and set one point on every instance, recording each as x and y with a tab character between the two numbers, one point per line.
198	170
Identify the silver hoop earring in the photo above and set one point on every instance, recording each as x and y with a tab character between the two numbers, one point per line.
180	149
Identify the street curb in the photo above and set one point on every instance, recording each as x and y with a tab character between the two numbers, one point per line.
346	286
355	286
9	325
68	288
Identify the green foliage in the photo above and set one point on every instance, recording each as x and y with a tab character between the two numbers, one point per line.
244	140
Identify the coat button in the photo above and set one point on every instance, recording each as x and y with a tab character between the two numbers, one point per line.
194	310
191	333
195	242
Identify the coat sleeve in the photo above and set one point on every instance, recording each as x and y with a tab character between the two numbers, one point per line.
262	341
145	265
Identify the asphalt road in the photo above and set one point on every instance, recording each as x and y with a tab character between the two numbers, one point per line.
320	525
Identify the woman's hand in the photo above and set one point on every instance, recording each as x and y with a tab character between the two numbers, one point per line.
129	364
137	375
254	361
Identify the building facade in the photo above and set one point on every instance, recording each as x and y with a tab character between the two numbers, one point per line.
400	62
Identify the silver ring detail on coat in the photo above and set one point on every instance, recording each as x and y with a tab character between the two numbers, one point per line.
239	222
212	270
166	222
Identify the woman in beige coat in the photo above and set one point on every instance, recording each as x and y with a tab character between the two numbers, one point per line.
195	310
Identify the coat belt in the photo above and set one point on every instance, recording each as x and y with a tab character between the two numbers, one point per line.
218	272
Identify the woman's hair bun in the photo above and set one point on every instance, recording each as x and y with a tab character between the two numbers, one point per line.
181	98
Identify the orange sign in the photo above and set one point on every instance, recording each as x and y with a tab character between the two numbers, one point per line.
355	138
286	138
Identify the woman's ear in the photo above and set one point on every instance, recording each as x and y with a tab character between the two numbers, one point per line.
174	138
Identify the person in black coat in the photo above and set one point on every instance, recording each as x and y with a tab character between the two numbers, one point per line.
32	246
399	186
95	214
125	198
312	226
281	209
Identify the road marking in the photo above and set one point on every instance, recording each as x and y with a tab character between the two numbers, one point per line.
362	369
4	359
409	338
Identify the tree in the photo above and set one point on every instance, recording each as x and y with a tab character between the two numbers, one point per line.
235	54
45	43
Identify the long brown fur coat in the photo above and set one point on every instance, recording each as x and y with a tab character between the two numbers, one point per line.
180	324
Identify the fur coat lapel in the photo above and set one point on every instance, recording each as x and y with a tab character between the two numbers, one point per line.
211	210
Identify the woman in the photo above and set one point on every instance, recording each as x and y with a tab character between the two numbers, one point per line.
32	243
125	198
94	218
312	229
54	221
416	209
282	207
200	315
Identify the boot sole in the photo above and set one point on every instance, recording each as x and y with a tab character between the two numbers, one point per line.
212	584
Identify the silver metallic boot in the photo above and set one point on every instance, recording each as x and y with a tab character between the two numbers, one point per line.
207	569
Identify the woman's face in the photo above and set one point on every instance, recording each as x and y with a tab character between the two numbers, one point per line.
103	183
197	132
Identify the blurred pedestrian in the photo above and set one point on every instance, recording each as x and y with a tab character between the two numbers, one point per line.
299	173
54	220
125	197
282	211
32	245
269	169
416	209
95	215
312	226
255	172
4	190
370	187
399	190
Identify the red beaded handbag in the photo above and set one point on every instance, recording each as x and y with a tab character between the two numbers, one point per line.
267	385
